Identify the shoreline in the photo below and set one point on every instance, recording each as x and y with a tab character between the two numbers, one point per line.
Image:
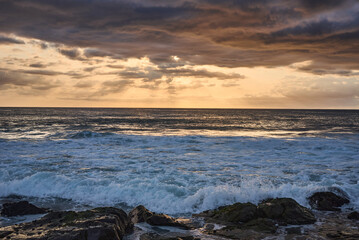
237	221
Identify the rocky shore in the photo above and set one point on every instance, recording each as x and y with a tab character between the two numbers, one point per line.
279	218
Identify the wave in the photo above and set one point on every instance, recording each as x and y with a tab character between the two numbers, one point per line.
89	134
157	196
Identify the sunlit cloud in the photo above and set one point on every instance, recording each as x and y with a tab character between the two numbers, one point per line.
138	50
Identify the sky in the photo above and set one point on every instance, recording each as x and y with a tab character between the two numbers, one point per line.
180	53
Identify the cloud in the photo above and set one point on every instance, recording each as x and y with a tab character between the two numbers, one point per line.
11	80
151	74
10	40
111	87
84	84
37	65
70	53
44	73
223	33
320	5
40	72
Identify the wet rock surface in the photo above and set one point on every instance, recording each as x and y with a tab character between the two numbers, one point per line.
21	208
142	214
238	212
327	201
353	215
285	211
281	218
154	236
334	225
95	224
165	220
248	221
281	210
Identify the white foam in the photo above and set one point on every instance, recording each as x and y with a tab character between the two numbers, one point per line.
178	174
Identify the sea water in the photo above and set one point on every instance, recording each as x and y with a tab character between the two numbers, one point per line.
176	161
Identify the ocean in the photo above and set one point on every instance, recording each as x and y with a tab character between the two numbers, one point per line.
175	161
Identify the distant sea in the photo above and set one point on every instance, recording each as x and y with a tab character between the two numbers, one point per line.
176	161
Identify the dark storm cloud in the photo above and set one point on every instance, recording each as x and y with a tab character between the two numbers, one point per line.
315	5
224	33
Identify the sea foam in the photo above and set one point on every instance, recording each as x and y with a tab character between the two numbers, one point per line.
177	175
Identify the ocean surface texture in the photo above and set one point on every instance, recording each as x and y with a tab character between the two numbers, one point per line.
176	161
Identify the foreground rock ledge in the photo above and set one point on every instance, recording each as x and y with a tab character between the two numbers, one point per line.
96	224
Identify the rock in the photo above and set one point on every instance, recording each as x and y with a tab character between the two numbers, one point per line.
155	236
21	208
294	230
285	211
327	201
264	225
96	224
238	232
164	220
208	227
139	214
236	213
354	215
142	214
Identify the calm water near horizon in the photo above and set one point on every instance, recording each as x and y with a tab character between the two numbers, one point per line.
175	161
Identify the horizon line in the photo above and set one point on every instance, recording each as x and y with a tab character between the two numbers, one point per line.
194	108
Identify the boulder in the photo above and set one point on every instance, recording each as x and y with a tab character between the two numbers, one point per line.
327	201
142	214
165	220
96	224
139	214
155	236
354	215
236	213
263	225
21	208
285	211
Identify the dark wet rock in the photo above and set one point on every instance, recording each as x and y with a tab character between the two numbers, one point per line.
342	235
21	208
155	236
208	227
285	211
236	213
3	234
354	215
238	232
165	220
95	224
191	223
327	201
264	225
294	230
140	214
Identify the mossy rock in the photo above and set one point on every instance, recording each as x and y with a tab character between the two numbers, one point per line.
264	225
285	211
238	212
